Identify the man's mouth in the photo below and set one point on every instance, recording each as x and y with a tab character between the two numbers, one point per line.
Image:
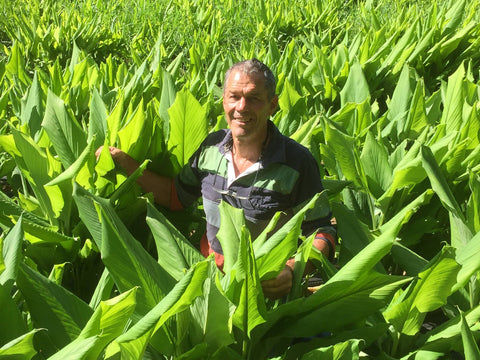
244	120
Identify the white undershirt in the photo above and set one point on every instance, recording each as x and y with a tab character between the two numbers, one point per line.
231	169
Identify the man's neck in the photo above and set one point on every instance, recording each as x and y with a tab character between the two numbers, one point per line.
246	152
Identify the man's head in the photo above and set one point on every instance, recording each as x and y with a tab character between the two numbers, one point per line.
249	100
255	66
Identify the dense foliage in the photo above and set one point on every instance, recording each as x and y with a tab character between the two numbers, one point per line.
384	93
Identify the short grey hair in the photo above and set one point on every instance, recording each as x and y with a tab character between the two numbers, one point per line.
252	66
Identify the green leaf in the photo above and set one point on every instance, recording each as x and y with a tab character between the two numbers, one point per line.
375	163
67	137
454	99
447	336
211	313
346	154
356	88
127	261
470	346
15	67
12	253
352	294
229	233
467	256
21	348
351	228
77	350
166	100
32	108
292	109
188	126
246	291
107	323
176	253
129	264
97	124
52	307
133	342
427	293
10	314
134	137
272	253
114	119
346	350
460	233
102	290
36	166
304	133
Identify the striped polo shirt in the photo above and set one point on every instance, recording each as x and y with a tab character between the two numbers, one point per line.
285	178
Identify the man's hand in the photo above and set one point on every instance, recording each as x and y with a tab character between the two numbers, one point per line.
280	286
121	158
159	186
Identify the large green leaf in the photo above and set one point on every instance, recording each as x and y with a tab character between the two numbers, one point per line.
352	294
470	346
230	233
132	343
188	126
377	168
351	228
292	107
166	100
33	108
349	349
107	322
21	348
10	315
272	252
241	285
399	106
15	67
129	264
427	293
114	120
98	120
134	137
37	167
467	256
452	114
347	156
356	88
211	312
11	254
175	253
447	336
66	135
52	307
460	232
352	303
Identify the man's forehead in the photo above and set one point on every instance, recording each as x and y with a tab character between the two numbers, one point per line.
239	79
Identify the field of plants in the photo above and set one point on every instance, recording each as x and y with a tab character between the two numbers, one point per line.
385	94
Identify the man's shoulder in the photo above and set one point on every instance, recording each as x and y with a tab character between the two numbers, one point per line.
293	151
216	137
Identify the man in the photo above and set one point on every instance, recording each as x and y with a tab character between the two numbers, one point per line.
250	166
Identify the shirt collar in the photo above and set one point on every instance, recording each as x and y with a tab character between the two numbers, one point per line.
275	151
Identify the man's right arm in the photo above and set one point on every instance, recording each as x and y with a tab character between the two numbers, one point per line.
160	186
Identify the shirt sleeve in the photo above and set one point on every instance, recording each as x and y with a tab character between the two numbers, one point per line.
187	183
317	219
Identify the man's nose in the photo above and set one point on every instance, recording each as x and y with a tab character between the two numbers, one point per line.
242	103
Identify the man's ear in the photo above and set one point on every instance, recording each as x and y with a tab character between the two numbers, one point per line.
273	104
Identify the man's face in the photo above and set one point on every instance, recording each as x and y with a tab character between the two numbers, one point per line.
247	106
